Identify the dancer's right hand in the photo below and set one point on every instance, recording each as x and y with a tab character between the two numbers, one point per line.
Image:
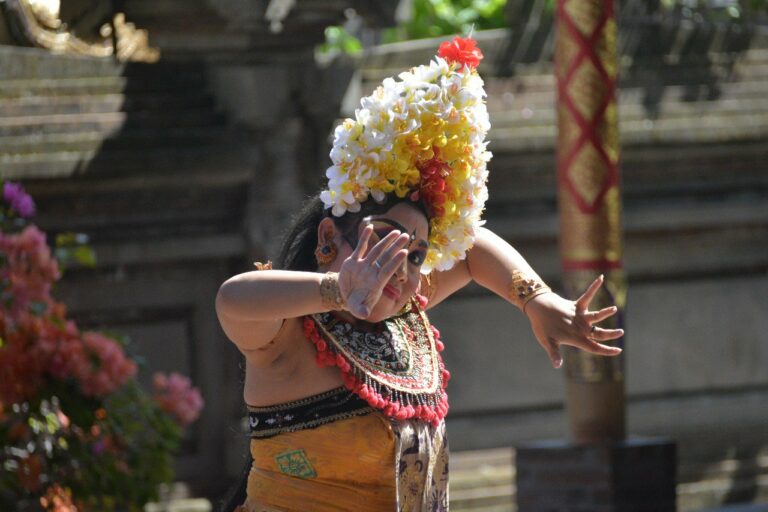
365	273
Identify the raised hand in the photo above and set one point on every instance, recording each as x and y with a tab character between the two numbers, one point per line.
557	321
365	273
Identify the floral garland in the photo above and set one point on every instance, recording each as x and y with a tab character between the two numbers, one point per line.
422	137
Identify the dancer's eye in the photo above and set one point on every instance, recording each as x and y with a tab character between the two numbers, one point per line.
417	257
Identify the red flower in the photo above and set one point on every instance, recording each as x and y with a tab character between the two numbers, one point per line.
461	51
432	186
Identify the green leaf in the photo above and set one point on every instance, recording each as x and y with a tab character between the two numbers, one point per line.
85	256
73	249
338	40
434	18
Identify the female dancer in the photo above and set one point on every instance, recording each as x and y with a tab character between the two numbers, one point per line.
344	381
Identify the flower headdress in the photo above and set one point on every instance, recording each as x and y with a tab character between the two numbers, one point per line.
422	137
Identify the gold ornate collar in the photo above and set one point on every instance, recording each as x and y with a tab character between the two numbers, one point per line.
396	369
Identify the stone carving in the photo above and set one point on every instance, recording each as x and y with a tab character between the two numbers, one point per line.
131	43
38	23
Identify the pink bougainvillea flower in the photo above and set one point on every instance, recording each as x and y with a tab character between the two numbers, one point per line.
176	396
463	51
28	271
107	367
18	199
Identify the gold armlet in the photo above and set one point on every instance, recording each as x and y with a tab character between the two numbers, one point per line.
524	288
330	293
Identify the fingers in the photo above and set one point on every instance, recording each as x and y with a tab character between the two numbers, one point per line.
360	311
357	305
585	344
593	317
601	350
582	302
386	262
377	251
362	242
600	334
391	266
550	345
590	343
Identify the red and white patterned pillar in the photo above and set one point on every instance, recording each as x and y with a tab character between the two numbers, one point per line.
589	198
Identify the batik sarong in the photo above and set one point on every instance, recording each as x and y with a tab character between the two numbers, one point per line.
333	453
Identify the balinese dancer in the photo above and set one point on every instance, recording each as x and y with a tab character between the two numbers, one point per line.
344	381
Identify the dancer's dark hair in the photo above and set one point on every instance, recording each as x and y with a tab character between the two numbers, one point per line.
297	252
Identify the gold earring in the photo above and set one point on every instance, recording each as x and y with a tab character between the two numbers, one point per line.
326	253
409	304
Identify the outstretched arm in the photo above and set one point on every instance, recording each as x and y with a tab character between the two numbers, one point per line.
555	320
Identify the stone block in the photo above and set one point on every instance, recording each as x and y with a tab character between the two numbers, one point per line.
635	475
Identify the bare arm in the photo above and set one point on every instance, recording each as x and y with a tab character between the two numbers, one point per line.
554	319
489	263
267	295
251	306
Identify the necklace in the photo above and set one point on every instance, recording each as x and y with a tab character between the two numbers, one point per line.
397	369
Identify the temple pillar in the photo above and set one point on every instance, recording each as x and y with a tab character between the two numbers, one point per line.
597	469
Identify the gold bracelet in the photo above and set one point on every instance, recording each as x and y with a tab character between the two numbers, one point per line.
330	292
524	288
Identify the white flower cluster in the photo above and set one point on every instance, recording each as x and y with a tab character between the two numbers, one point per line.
433	111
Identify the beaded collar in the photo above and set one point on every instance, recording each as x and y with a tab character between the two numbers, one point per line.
396	369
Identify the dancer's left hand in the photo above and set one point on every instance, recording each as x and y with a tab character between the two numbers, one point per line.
558	321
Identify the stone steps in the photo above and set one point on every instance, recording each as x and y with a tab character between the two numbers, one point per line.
119	162
107	123
527	116
750	65
387	60
19	62
483	480
642	132
70	86
177	202
62	116
505	92
672	171
96	103
136	139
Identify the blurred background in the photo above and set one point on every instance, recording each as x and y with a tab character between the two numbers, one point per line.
178	137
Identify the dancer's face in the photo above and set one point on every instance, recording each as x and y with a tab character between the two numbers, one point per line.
404	282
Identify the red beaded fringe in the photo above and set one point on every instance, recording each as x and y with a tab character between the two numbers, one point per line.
393	403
